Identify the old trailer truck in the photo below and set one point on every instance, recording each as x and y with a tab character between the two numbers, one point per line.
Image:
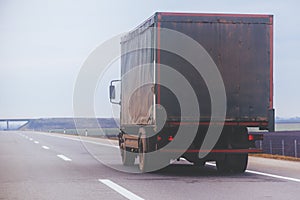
240	46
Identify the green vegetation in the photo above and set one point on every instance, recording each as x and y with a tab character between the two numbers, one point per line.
278	157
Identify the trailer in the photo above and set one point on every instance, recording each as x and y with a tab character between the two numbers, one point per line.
240	46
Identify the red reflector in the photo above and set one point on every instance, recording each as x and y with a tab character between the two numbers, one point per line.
170	138
159	138
250	137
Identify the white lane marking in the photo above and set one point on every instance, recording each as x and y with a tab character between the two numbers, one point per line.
36	142
82	140
274	176
120	190
65	158
211	164
45	147
266	174
98	143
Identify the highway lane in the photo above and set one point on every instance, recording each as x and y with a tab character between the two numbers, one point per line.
52	166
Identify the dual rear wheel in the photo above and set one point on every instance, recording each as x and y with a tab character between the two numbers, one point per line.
233	163
237	138
149	159
230	162
128	157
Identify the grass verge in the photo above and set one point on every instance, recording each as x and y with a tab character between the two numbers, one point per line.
278	157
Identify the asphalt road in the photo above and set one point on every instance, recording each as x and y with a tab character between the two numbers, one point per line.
51	166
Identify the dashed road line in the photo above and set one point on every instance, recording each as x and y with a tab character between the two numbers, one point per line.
45	147
82	140
124	192
36	142
211	164
65	158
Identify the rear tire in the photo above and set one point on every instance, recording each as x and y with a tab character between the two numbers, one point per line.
143	158
233	163
128	157
237	138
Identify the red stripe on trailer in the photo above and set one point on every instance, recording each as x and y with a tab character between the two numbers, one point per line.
220	123
271	62
213	15
158	59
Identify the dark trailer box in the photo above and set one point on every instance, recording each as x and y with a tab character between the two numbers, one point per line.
240	45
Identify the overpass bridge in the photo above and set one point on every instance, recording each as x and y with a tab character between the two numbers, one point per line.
9	121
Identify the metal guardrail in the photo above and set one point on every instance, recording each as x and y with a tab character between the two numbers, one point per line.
286	144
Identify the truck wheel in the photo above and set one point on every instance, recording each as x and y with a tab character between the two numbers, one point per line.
128	157
143	159
233	163
239	163
147	163
150	162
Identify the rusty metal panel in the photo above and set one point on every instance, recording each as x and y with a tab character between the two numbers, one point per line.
240	47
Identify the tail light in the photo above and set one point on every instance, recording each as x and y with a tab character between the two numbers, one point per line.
254	137
250	137
170	138
159	138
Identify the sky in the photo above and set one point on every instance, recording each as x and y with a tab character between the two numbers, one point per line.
44	43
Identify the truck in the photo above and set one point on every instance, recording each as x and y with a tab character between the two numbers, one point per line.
240	46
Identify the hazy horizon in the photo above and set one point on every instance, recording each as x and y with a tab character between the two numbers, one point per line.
45	43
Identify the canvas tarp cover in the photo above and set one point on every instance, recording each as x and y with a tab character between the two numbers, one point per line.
137	87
